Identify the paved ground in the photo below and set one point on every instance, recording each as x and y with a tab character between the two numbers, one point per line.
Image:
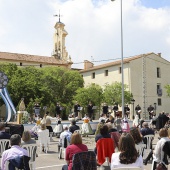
50	160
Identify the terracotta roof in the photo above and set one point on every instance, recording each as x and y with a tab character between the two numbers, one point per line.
31	58
125	60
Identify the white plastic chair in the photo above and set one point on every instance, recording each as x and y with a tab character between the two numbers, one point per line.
149	139
44	140
3	144
141	149
106	162
31	148
62	148
127	168
78	131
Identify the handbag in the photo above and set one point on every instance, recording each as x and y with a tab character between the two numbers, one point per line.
161	166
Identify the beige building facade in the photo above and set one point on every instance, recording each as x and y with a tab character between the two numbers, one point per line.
146	76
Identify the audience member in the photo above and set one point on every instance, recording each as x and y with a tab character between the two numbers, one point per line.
136	135
64	134
26	138
73	126
104	133
14	151
3	134
75	147
146	130
99	125
127	155
158	153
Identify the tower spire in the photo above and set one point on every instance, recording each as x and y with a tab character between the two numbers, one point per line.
58	15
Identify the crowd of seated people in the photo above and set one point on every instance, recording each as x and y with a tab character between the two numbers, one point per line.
126	154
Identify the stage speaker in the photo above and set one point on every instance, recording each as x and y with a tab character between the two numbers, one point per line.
14	129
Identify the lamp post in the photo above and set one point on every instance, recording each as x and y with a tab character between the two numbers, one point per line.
121	25
155	107
133	101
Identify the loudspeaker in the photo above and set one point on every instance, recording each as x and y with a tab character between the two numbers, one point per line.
14	129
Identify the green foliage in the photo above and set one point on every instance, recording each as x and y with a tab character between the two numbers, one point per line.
45	86
167	87
113	94
91	93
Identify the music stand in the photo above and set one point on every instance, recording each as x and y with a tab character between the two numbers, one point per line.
80	108
94	107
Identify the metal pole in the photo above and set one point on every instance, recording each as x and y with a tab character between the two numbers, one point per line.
133	111
123	112
121	21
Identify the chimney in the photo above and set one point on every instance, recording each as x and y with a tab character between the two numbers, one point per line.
87	64
159	54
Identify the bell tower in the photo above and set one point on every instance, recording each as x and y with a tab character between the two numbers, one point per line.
59	51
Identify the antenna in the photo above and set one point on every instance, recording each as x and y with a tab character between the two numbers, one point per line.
58	16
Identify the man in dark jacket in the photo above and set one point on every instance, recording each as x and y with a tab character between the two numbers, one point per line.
73	126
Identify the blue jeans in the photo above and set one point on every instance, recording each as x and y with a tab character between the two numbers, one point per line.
65	167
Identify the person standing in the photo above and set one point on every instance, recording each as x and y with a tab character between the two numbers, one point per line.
105	108
127	110
90	111
76	109
138	110
58	109
115	109
151	111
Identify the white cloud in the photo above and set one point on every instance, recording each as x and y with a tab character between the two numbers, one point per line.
93	28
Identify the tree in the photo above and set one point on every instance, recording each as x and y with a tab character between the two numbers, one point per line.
91	93
113	94
167	87
46	85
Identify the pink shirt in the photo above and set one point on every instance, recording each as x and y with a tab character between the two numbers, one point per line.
11	153
71	150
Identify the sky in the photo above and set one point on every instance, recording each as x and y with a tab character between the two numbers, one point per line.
93	26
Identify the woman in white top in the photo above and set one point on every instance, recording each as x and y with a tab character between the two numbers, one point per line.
127	155
158	153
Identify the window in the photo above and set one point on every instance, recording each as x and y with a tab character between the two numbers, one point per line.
120	70
106	72
20	64
158	72
159	90
40	65
159	102
93	75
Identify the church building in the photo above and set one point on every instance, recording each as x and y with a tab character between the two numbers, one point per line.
59	55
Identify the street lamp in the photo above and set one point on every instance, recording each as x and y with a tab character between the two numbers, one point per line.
155	108
121	25
133	101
